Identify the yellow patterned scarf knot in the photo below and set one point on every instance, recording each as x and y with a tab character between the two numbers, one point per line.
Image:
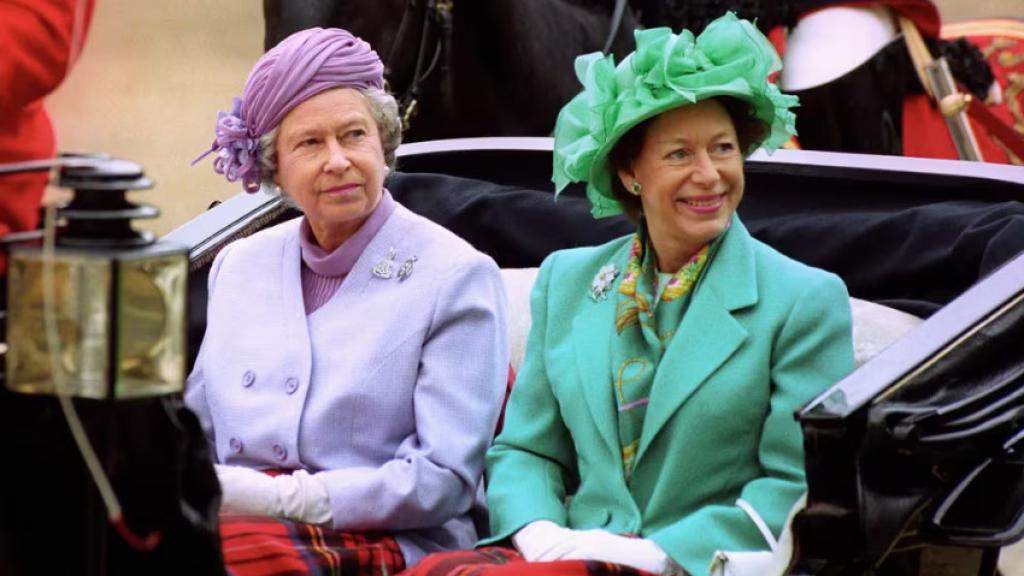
638	302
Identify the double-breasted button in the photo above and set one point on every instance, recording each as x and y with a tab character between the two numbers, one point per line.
248	378
235	444
291	385
280	452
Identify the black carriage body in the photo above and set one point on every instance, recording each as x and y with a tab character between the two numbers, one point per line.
912	459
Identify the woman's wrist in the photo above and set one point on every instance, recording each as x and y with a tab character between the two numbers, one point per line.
304	498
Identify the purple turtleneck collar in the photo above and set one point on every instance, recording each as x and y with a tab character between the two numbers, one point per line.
343	258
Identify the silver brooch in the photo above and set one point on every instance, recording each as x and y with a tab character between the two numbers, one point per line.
406	270
602	282
383	268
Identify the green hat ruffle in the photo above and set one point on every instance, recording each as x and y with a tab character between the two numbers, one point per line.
730	58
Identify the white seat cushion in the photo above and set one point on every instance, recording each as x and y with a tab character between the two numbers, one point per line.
875	327
518	284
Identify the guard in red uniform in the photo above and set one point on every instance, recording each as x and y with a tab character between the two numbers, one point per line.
858	71
39	41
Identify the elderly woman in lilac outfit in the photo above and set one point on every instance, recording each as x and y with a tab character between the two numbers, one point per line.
357	353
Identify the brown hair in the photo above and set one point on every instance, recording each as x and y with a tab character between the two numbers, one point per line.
750	132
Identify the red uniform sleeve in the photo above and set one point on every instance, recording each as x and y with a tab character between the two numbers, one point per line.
35	45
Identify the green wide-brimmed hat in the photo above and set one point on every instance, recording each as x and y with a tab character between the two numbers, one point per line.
730	58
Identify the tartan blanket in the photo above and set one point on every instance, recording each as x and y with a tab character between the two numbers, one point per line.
502	561
265	546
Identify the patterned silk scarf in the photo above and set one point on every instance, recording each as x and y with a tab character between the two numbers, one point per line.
649	308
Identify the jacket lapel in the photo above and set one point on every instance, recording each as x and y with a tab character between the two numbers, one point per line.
592	331
297	330
389	236
708	334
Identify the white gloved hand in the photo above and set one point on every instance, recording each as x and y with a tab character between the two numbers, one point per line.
639	553
247	491
542	541
297	496
545	541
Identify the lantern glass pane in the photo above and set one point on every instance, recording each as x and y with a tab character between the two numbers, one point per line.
81	290
151	326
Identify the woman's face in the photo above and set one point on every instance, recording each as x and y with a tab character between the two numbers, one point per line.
690	168
331	163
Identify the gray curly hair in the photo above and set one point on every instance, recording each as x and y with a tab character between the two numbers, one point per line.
384	109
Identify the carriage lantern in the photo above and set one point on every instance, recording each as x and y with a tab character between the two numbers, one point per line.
106	306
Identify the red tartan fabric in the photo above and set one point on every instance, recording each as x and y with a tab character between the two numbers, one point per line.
502	561
264	546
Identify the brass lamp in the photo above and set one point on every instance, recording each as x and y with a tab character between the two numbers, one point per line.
118	297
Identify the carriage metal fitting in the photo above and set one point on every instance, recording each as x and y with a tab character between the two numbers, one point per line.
446	6
953	106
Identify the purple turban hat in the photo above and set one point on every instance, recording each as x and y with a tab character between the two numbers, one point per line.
302	65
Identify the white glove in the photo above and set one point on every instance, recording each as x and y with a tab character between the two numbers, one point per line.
639	553
542	541
297	496
545	541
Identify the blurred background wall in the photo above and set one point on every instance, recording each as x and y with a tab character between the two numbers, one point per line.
147	88
153	75
954	10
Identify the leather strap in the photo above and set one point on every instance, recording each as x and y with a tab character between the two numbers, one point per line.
616	23
418	48
996	127
401	58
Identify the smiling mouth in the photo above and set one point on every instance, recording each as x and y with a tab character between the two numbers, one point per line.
705	202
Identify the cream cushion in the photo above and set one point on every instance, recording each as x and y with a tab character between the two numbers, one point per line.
875	327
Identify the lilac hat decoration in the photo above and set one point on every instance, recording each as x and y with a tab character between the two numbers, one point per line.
302	65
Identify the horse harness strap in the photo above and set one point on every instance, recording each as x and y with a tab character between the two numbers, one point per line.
613	29
427	25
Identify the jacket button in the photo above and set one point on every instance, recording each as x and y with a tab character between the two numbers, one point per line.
236	445
291	385
248	378
280	452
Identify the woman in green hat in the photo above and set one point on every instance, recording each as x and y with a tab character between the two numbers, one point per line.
651	425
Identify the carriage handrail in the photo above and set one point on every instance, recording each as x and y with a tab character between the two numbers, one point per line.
846	164
205	234
518	143
883	374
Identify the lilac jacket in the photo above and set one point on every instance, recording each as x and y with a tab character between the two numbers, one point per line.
389	392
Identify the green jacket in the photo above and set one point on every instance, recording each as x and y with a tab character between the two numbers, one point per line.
762	336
